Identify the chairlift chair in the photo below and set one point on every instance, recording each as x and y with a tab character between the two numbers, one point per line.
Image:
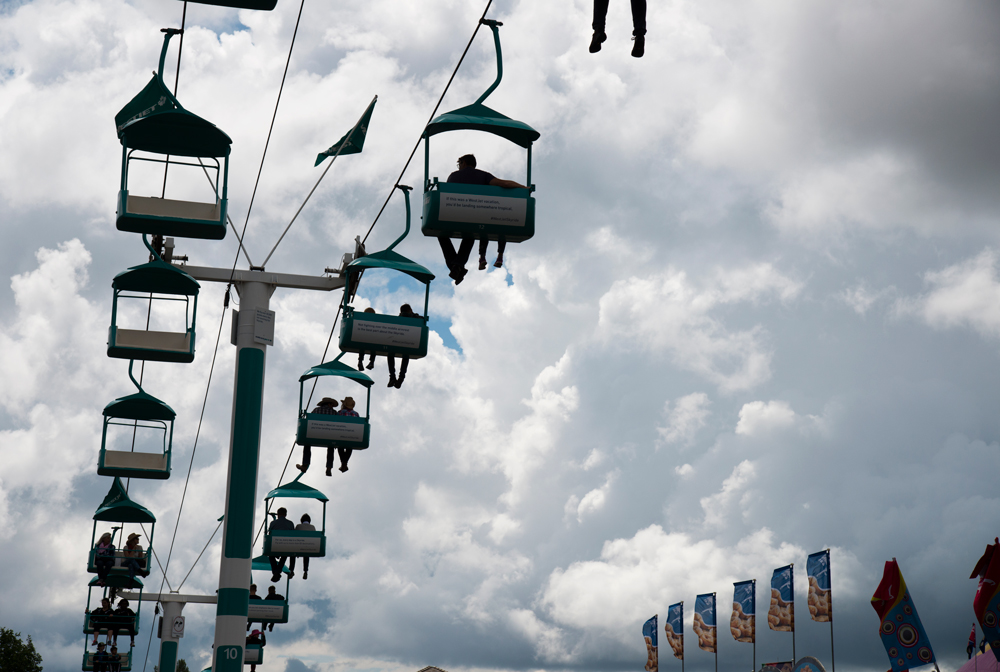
118	508
297	543
385	335
156	281
266	5
334	431
155	123
268	611
480	211
127	627
148	415
253	654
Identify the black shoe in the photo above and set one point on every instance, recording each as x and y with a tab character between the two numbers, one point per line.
392	382
343	467
596	40
639	48
361	365
329	471
458	275
275	578
371	364
482	263
399	382
305	575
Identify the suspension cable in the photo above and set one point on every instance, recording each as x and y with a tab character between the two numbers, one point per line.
429	119
200	554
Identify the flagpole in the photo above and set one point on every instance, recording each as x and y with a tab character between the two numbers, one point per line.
754	625
329	165
791	566
829	577
715	607
682	636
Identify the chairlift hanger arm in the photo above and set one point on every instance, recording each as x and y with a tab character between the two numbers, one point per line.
494	26
287	280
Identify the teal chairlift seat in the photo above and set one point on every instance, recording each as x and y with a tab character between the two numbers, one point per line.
266	5
146	416
333	431
268	611
480	211
298	543
118	508
385	335
253	654
154	122
101	625
155	282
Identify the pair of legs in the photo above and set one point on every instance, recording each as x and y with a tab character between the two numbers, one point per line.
277	564
638	16
134	567
361	361
393	380
305	566
103	565
344	453
501	246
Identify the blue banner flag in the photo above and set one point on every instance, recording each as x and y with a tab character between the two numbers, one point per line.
649	632
674	629
743	623
820	598
781	614
704	622
354	140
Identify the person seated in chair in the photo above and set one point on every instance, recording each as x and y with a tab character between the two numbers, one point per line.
279	523
467	173
404	311
253	596
133	557
273	595
99	619
346	408
104	558
114	660
124	620
361	355
305	523
256	637
100	660
326	406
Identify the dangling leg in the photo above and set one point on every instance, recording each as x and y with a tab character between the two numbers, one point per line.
501	246
305	568
402	371
306	458
371	361
483	243
639	27
361	361
329	460
600	15
392	370
345	455
456	270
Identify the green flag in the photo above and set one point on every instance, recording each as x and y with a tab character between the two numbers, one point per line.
354	141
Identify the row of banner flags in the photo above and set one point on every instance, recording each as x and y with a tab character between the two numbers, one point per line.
900	629
743	622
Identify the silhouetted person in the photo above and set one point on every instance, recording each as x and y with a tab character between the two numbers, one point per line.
326	406
272	595
305	523
346	409
104	557
468	174
253	596
123	616
404	311
361	355
99	619
133	556
279	523
256	637
638	26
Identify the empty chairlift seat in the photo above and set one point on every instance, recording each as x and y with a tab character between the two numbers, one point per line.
333	431
480	211
145	420
298	543
156	282
157	126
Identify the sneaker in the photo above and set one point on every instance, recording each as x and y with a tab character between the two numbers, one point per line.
596	40
291	575
639	48
343	467
275	578
305	575
458	276
392	381
399	382
301	468
329	471
482	263
499	262
371	364
361	365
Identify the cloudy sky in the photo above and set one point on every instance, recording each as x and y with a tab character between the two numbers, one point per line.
760	317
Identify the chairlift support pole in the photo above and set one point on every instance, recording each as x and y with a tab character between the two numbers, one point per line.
253	331
173	604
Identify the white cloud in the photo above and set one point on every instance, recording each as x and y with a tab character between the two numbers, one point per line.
684	471
667	313
966	294
718	506
758	417
860	298
687	417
